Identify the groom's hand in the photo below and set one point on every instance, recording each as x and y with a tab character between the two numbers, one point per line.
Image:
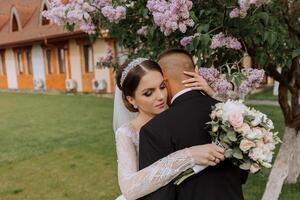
207	154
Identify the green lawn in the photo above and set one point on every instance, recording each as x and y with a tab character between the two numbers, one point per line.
266	94
62	147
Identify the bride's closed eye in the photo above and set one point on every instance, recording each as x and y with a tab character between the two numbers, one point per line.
148	93
163	85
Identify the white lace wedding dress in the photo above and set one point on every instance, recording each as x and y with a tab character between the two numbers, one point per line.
135	184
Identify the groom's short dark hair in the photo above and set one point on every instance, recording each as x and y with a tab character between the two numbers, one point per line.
175	51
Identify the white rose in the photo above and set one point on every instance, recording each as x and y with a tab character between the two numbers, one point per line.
219	113
254	134
233	107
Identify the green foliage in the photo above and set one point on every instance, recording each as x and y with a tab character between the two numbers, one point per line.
264	33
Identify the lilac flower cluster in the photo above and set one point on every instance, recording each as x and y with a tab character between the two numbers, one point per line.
171	15
244	6
218	81
106	59
188	40
82	12
253	79
222	86
220	40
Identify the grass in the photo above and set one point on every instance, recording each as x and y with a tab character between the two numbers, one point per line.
266	94
62	148
56	147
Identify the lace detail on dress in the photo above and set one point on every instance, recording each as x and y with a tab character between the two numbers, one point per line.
135	184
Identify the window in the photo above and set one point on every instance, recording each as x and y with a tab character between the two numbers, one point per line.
49	61
2	64
45	21
20	62
29	61
61	60
15	26
88	58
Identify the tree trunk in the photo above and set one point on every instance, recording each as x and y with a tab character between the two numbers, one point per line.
294	168
280	168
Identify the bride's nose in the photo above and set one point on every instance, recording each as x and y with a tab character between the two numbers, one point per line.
160	95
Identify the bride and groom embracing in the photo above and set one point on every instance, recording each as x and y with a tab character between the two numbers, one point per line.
156	145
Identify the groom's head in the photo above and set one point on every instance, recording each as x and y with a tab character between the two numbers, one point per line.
173	62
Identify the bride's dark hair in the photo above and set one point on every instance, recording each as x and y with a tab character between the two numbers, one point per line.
133	79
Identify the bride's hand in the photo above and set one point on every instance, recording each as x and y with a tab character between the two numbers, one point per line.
197	82
207	154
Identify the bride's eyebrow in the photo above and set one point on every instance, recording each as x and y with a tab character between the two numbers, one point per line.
147	89
151	89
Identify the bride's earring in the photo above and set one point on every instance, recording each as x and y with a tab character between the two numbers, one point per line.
135	106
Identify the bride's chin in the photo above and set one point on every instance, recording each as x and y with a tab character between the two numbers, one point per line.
160	111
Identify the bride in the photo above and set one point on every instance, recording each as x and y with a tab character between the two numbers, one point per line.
140	96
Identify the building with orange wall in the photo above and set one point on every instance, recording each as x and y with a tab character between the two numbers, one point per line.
36	54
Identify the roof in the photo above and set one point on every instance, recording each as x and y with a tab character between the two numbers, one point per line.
28	13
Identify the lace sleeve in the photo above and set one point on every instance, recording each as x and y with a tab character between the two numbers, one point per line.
135	184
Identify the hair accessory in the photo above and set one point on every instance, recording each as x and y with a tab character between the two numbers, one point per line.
129	67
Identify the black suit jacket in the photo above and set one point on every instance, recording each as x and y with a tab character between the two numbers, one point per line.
184	125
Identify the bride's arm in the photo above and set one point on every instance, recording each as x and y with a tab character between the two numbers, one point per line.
135	184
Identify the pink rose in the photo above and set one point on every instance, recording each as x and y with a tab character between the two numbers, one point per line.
246	145
244	128
254	168
236	119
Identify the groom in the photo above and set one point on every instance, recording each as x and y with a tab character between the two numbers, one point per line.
181	126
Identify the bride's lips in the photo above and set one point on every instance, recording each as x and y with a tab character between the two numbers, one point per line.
161	106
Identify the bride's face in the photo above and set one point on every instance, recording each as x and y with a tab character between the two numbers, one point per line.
151	94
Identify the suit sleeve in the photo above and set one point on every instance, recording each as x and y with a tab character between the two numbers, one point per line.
151	149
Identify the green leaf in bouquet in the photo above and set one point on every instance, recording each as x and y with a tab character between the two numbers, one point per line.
249	118
228	153
225	128
226	146
183	176
232	136
225	139
237	153
246	165
215	127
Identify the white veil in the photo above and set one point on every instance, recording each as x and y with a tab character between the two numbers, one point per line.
121	114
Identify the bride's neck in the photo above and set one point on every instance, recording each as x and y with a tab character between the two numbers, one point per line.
141	120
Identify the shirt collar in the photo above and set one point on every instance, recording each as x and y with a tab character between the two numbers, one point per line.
180	93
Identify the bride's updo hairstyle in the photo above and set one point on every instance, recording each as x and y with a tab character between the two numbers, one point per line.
129	76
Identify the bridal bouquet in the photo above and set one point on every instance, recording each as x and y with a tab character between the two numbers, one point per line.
245	134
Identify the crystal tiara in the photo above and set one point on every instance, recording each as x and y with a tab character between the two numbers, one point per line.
129	67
